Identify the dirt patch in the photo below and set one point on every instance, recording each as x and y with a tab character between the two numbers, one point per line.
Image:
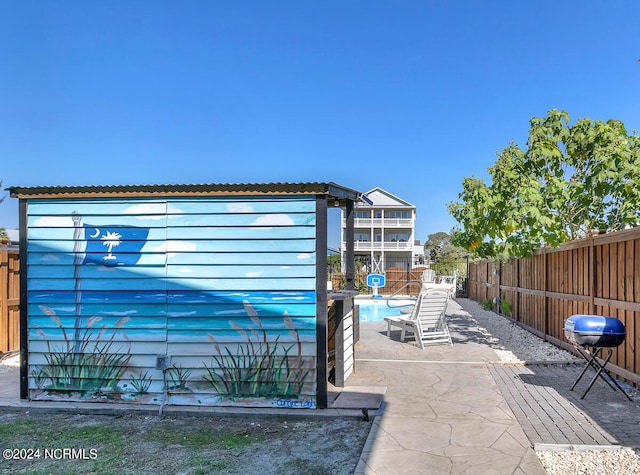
146	444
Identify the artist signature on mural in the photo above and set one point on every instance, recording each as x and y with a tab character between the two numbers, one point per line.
308	404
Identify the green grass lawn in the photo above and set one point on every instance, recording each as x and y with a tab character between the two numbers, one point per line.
65	443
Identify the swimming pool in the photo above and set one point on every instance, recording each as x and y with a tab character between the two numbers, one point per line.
375	310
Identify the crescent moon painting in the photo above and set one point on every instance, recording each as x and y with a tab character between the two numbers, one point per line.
96	234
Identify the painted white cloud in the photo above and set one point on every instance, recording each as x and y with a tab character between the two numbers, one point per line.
181	246
254	274
175	246
239	208
171	248
147	211
274	220
185	270
53	222
173	209
304	255
285	267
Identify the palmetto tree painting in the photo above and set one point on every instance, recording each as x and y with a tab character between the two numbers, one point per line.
111	240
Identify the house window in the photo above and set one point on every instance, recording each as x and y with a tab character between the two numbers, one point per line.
378	237
399	214
378	214
398	237
362	214
361	237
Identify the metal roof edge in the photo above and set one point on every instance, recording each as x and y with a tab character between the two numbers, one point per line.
208	189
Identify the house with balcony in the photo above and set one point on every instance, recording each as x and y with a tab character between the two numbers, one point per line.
384	232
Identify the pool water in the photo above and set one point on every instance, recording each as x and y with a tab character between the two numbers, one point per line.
376	310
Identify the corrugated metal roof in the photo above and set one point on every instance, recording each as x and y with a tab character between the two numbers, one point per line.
330	189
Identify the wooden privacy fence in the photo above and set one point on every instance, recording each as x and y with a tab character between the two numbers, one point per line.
9	299
599	275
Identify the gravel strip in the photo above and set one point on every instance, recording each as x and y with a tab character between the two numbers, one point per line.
591	462
514	345
9	361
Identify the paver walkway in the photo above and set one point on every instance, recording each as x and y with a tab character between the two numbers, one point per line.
551	414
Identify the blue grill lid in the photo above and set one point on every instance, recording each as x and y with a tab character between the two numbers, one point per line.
594	325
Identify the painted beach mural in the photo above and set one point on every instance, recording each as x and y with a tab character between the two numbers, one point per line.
186	301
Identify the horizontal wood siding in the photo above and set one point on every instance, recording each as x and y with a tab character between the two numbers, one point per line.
78	309
348	339
224	286
597	276
251	301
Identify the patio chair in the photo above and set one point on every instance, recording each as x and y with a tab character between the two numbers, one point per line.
429	275
427	321
431	326
404	322
444	283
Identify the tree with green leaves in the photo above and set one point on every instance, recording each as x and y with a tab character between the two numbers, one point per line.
333	261
439	246
568	180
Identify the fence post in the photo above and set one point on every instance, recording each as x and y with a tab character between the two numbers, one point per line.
516	304
350	270
592	275
4	301
500	286
545	313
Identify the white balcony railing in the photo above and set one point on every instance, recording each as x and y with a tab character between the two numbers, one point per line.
380	246
382	222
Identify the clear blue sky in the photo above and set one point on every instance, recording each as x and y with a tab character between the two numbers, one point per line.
411	96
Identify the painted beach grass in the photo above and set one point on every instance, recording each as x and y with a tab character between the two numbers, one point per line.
140	383
178	377
87	364
258	368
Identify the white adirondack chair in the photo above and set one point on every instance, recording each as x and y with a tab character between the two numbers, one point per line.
404	322
427	320
431	325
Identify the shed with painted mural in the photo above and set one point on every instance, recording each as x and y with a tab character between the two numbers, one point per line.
210	294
